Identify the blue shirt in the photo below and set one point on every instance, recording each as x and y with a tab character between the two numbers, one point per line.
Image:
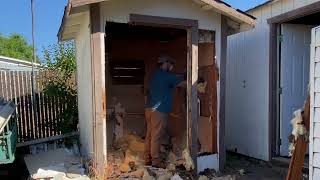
161	89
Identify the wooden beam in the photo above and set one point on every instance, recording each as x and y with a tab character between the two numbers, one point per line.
294	14
48	139
222	78
99	93
162	21
297	159
78	3
192	96
273	89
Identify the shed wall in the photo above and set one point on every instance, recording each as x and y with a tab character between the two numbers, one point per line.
84	80
119	11
247	103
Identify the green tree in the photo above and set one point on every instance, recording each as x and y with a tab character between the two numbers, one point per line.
60	67
16	46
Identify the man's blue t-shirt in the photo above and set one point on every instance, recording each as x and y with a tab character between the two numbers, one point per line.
162	84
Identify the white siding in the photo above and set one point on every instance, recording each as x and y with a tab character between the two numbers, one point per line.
248	60
83	54
314	150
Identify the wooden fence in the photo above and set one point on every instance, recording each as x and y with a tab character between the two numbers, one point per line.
38	113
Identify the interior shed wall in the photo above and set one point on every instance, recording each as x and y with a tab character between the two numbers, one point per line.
247	109
132	97
84	82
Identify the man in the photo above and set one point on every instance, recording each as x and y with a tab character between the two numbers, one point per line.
158	106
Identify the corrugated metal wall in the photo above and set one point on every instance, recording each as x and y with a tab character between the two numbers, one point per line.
248	83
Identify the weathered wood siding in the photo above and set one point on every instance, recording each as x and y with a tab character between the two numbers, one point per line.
247	107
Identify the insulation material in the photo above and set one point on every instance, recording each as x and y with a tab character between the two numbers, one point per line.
188	164
298	129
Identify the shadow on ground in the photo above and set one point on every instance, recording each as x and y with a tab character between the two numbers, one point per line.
16	170
245	168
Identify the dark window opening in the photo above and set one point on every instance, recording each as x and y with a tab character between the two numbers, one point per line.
127	72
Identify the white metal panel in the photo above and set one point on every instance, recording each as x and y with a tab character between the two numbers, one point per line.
259	83
246	98
317	69
314	138
317	100
316	160
294	78
316	115
316	145
316	130
316	173
84	81
317	85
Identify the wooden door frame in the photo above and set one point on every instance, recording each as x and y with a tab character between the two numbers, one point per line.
99	90
191	26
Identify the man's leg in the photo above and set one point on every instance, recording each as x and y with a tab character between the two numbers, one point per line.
147	144
158	136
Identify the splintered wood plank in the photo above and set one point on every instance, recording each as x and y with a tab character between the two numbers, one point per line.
297	159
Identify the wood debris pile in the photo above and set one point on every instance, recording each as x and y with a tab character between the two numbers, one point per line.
125	161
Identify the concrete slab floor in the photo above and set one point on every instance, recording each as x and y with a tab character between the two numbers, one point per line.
246	168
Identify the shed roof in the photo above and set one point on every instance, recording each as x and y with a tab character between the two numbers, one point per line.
220	6
259	5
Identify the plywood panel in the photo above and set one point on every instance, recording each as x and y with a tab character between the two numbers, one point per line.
206	54
208	108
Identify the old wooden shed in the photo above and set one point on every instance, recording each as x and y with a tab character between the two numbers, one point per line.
117	46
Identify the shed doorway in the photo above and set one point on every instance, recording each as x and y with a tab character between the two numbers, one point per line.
132	53
294	73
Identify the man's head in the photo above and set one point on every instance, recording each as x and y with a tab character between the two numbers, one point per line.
166	63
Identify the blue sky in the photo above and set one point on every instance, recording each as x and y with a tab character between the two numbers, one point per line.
15	17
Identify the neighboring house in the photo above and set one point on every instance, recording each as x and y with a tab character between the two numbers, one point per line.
268	71
12	64
117	45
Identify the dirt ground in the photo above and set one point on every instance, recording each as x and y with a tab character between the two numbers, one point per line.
245	168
